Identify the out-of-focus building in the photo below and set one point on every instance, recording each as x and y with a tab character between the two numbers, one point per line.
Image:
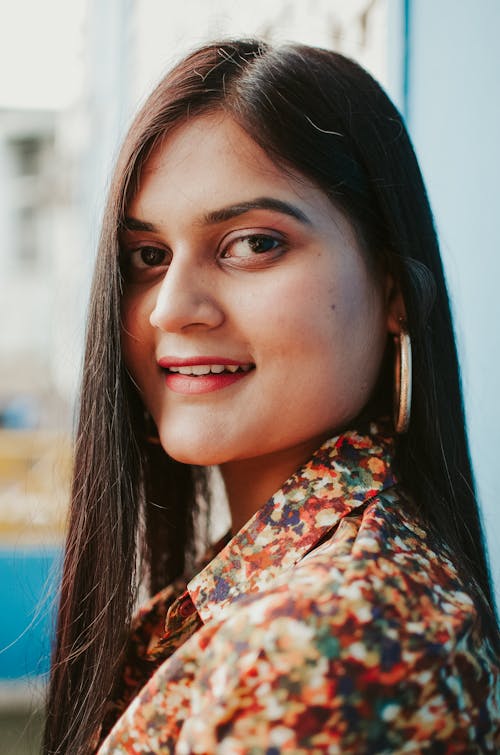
39	353
34	407
27	208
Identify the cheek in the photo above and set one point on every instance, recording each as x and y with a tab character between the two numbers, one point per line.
326	307
332	324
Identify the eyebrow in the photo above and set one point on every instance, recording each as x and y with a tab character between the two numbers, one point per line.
133	224
261	203
227	213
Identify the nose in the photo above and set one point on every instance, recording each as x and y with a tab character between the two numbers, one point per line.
186	299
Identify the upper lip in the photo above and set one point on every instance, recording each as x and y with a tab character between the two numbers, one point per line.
171	361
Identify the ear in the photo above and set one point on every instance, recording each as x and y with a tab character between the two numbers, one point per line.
395	306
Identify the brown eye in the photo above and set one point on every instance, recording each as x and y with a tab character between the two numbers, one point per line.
152	256
251	245
261	244
143	262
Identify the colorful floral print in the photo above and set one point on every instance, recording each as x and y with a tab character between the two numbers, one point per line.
331	623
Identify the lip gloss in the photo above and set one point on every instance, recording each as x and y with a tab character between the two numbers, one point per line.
191	384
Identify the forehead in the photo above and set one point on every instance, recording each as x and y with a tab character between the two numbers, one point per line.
213	138
212	161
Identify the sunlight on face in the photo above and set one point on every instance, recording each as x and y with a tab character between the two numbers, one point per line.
252	323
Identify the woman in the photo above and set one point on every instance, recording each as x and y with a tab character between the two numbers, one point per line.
268	255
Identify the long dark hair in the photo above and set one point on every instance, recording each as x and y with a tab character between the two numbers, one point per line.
322	115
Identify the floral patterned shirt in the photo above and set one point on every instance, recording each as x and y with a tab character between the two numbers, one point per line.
331	623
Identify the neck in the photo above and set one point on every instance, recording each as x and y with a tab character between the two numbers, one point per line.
251	482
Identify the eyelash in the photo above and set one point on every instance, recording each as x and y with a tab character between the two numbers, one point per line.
279	246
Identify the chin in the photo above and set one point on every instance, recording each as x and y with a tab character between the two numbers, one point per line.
198	454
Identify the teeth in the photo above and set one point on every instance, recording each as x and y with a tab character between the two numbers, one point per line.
205	369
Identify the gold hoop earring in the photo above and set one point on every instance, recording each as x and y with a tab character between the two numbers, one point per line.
402	382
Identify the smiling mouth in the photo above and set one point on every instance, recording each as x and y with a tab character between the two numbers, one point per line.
197	379
199	370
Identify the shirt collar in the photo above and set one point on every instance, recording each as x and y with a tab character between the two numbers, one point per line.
341	476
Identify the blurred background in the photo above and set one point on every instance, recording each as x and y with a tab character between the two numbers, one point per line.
72	74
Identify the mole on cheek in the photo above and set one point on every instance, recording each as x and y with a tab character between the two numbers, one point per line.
333	306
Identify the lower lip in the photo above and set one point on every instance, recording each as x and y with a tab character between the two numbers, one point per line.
189	385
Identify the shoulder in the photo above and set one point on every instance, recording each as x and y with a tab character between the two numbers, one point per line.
378	566
371	638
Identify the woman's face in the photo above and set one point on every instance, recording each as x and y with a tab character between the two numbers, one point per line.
252	324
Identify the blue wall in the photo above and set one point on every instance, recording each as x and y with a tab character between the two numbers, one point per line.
27	577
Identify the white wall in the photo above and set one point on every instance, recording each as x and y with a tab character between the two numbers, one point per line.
454	118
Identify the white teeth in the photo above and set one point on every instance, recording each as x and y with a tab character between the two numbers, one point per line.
205	369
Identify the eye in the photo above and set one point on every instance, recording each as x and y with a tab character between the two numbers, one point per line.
144	261
253	248
148	256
